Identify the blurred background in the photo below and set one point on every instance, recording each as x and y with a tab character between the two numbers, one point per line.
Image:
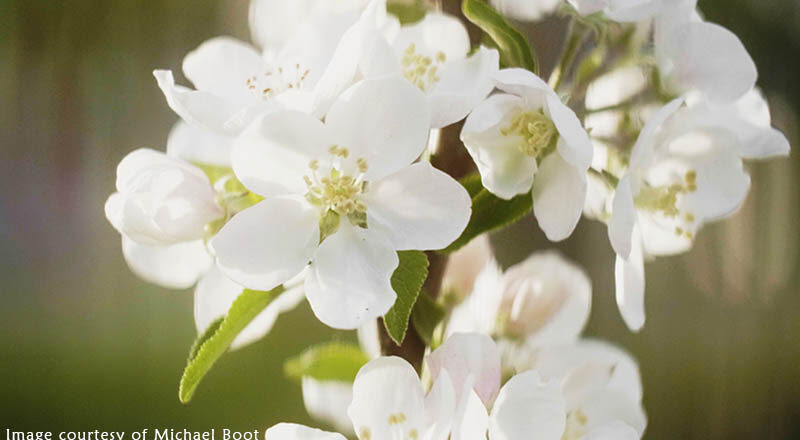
84	344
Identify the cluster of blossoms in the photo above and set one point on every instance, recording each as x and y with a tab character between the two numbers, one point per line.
304	166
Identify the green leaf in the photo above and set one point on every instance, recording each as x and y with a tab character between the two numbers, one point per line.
515	51
211	347
407	13
489	212
407	281
426	316
329	361
207	334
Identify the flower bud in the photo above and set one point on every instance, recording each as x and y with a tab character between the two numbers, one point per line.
545	299
161	200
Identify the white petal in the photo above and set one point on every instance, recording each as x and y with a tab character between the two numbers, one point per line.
522	83
214	295
267	244
629	280
388	400
176	266
526	10
291	431
623	218
221	66
609	404
436	32
385	121
645	145
616	87
758	138
471	419
198	144
369	339
527	405
616	430
349	282
479	311
327	401
709	58
272	155
463	85
505	170
465	264
559	193
546	299
466	355
419	207
559	363
574	144
273	21
440	408
197	107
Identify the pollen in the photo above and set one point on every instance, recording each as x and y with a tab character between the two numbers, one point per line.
537	130
277	80
421	70
396	419
336	185
664	199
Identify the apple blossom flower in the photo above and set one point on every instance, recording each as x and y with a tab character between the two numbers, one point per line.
527	140
431	54
175	266
341	195
235	82
389	402
543	300
680	176
464	265
161	200
574	391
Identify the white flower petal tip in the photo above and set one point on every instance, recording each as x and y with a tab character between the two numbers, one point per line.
176	266
291	431
469	357
527	404
161	200
559	193
616	430
623	219
630	285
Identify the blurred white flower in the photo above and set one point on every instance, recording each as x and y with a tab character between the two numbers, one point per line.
695	56
576	391
175	266
680	176
327	401
161	200
543	300
343	196
620	10
527	140
526	10
464	265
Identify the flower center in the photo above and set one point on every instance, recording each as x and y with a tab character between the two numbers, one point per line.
421	70
336	192
664	199
536	129
277	80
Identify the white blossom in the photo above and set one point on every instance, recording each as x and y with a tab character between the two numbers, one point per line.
342	195
620	10
525	140
161	200
680	176
431	54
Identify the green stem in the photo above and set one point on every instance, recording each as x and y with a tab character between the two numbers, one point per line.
575	39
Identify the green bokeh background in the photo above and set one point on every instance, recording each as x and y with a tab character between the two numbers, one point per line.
84	344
